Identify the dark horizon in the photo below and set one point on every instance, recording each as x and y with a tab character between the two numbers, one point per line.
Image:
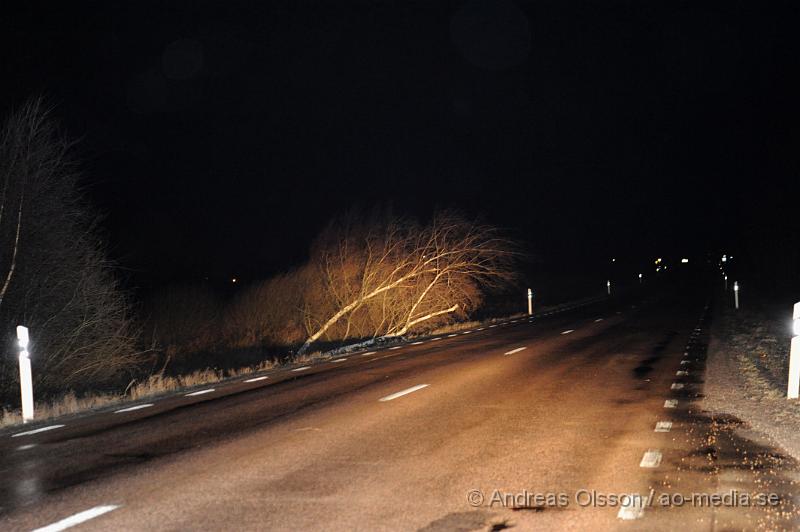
218	140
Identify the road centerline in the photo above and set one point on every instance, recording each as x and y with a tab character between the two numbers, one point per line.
401	393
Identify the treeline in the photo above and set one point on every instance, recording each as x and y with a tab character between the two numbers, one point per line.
367	277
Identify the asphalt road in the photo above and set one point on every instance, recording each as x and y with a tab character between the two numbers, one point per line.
526	425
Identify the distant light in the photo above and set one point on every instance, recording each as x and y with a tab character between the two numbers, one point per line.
724	258
640	276
233	280
613	260
684	261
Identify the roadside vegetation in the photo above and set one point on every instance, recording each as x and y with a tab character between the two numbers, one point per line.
368	277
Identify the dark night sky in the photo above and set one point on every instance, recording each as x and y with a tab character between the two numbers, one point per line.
219	137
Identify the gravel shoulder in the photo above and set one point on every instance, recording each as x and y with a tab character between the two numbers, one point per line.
748	359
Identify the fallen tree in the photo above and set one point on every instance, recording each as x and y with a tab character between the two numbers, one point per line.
383	277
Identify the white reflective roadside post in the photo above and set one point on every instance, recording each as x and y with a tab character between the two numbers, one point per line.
608	286
726	282
25	377
530	302
640	278
794	355
736	294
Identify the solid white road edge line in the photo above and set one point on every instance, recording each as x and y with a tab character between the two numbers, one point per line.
78	518
368	353
303	368
339	360
36	431
401	393
132	408
256	379
517	350
651	458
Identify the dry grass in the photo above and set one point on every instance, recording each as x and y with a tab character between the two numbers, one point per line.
154	386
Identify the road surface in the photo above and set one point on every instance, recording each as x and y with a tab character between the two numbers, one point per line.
536	424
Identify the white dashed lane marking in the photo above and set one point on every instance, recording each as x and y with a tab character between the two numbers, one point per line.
78	518
302	368
401	393
36	431
632	507
598	320
663	426
199	392
681	373
452	335
671	403
517	350
651	459
132	408
339	360
256	379
395	347
368	353
677	386
568	331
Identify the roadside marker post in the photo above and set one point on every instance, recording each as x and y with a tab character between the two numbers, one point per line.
640	278
726	282
25	376
794	356
608	286
736	294
530	302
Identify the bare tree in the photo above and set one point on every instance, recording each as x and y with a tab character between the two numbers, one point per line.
393	275
53	273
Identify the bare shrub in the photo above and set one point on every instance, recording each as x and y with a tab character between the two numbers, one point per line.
184	319
267	313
